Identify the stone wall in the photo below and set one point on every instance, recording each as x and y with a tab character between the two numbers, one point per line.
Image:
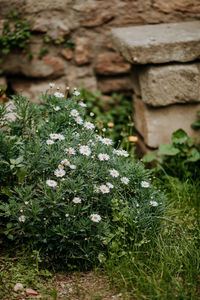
93	61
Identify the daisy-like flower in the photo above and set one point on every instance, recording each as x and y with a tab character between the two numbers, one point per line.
114	173
104	129
89	125
110	185
22	219
95	218
79	120
145	184
85	150
124	153
107	141
26	202
60	137
56	108
104	189
77	200
125	180
65	162
53	136
66	215
49	142
153	203
74	113
103	156
96	189
82	104
70	150
59	173
60	166
59	95
73	167
51	183
92	114
51	84
76	93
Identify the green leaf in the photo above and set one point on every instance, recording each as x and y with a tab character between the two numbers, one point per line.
179	136
19	159
194	155
196	124
149	157
9	225
168	149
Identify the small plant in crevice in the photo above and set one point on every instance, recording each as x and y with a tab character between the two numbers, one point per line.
61	184
181	158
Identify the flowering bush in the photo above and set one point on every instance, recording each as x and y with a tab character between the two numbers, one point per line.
59	179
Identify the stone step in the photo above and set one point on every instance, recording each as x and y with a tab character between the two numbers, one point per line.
160	43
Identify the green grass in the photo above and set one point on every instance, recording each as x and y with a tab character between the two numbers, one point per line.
168	267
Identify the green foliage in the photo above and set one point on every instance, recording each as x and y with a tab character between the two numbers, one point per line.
196	124
57	217
181	158
16	34
113	114
42	52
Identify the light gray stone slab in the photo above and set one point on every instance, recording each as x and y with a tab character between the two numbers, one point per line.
160	43
157	124
163	85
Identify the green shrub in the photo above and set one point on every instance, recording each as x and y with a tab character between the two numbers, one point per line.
60	182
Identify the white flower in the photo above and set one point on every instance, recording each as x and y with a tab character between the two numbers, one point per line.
82	104
56	108
70	150
22	219
107	141
52	183
95	218
74	113
103	129
66	215
79	120
104	189
114	173
59	173
145	184
92	114
49	142
60	166
110	185
101	257
73	167
60	137
96	189
76	200
103	156
125	180
76	134
85	150
124	153
59	95
153	203
98	137
89	125
53	136
76	93
51	85
26	202
65	162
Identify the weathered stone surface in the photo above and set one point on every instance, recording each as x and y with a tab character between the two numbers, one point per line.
110	63
82	53
3	81
159	43
48	66
67	53
169	84
97	20
109	85
180	5
32	90
157	124
39	6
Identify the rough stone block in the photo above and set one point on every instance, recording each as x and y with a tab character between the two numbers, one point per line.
110	85
170	84
157	124
3	82
110	63
32	90
160	43
82	53
180	5
135	79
